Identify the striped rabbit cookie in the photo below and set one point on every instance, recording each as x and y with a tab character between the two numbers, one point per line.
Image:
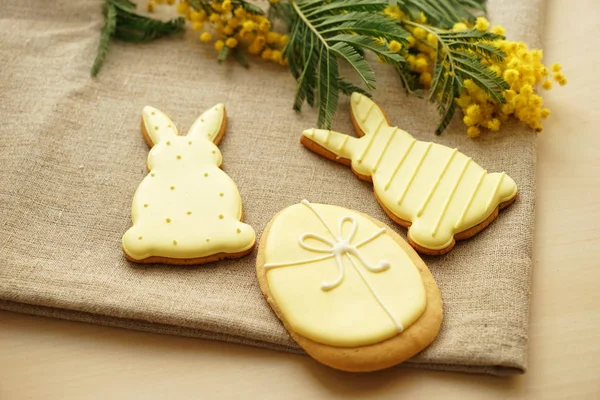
438	193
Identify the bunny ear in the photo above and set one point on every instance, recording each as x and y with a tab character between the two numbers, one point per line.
367	117
210	124
336	145
157	126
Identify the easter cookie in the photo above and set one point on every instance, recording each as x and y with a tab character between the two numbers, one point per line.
349	290
438	193
186	210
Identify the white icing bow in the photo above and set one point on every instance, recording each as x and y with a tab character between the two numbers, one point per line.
341	246
337	248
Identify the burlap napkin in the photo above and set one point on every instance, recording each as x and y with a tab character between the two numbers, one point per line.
71	156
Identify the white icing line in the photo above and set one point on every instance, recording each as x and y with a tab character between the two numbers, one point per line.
416	171
491	200
449	199
436	184
468	205
343	144
385	149
368	112
396	323
369	144
289	264
410	146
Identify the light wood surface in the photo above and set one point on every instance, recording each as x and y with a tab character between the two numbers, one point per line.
43	358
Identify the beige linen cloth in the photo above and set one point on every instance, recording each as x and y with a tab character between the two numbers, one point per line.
72	155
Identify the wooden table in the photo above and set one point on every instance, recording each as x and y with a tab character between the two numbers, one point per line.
43	358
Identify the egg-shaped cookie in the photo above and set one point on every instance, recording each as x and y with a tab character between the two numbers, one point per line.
349	290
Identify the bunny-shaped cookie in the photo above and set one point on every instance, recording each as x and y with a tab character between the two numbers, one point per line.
440	194
186	210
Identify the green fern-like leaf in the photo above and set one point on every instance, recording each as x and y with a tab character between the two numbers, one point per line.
110	17
442	13
459	57
121	22
323	33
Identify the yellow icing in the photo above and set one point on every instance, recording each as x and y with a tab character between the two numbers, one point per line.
337	288
436	188
187	207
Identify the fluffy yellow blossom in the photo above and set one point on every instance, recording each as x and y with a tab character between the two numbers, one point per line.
276	55
249	26
547	84
425	79
469	121
411	41
482	24
459	26
226	5
474	111
150	6
205	37
545	113
266	54
419	33
273	37
219	45
560	78
283	40
556	67
473	131
394	12
231	42
183	7
228	30
198	26
421	65
498	30
431	39
493	124
214	18
395	46
511	75
264	25
240	12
